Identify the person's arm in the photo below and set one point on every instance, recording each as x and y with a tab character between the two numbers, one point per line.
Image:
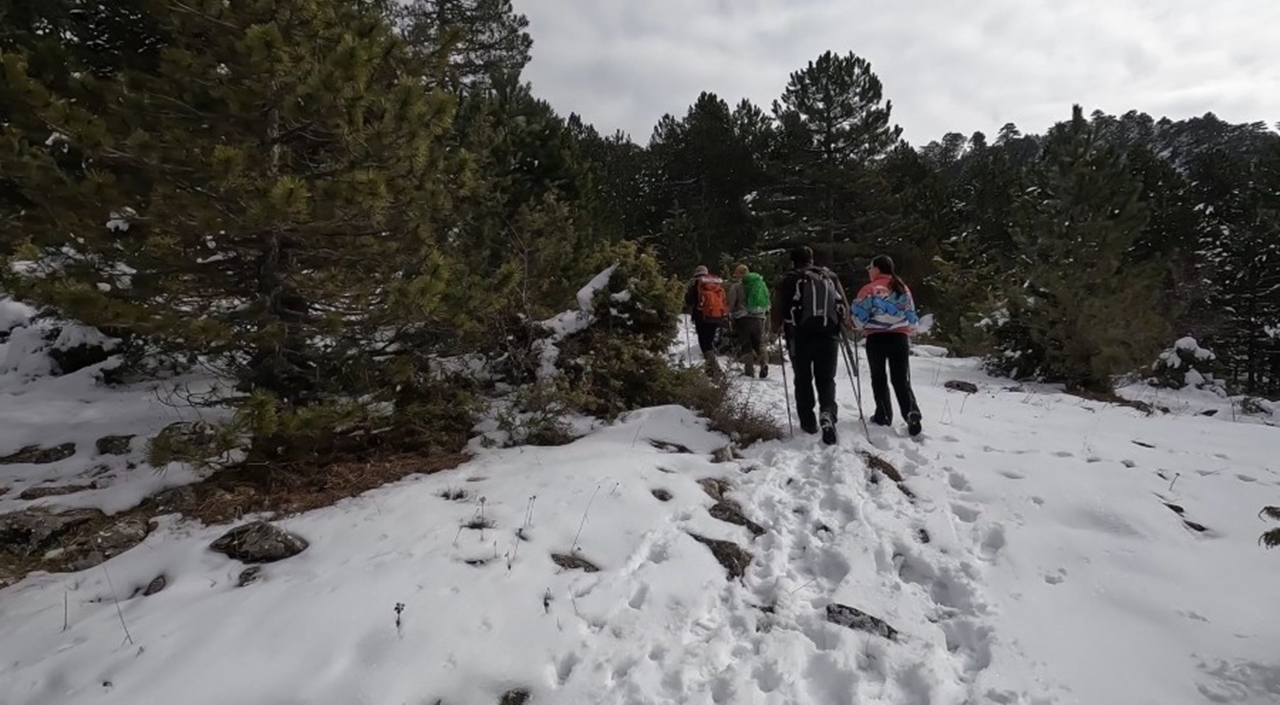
912	317
861	309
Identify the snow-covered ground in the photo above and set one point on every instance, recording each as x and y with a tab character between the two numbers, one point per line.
1038	561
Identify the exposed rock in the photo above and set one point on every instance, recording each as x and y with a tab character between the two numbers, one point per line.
249	575
77	358
668	446
922	535
259	542
571	562
854	618
155	586
715	487
110	542
730	511
727	454
4	491
31	532
662	495
35	455
1209	412
114	445
961	386
733	557
515	696
53	491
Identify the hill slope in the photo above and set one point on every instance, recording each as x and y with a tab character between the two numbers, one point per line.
1041	549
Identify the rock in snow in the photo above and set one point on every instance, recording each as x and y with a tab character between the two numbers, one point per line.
259	542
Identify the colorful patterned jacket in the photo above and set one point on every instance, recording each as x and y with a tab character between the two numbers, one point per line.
878	309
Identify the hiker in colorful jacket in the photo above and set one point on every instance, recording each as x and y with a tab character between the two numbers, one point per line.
707	305
748	306
886	314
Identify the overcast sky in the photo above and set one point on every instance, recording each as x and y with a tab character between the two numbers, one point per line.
947	65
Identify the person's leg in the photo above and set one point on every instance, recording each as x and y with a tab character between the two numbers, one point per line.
826	362
877	357
748	332
900	375
826	359
706	342
756	343
802	367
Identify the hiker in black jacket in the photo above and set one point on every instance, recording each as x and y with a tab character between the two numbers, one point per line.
810	309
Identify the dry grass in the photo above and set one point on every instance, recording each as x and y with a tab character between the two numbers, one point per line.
288	491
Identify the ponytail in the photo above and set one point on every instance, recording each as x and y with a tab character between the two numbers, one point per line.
884	263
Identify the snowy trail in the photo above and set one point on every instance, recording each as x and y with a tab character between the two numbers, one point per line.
1050	550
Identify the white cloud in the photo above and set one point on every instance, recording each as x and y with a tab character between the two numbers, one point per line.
946	65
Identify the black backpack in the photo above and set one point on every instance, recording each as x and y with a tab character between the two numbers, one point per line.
816	305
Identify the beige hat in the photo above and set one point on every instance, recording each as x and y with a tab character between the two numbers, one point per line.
700	270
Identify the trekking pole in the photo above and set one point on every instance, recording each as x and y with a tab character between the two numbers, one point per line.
786	388
855	381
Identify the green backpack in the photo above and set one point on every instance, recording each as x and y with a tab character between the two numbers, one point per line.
757	293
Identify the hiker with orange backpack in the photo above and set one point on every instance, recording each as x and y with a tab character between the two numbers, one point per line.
707	305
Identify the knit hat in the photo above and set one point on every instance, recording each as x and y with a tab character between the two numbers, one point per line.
700	270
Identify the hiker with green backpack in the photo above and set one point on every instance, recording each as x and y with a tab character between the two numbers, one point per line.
749	307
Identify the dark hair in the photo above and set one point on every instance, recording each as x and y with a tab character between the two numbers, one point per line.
884	263
801	256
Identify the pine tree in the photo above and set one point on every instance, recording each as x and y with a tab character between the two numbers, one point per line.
705	169
1088	311
834	125
259	198
1240	246
479	40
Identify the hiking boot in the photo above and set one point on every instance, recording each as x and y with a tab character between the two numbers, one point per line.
764	371
913	423
808	424
828	428
880	419
748	371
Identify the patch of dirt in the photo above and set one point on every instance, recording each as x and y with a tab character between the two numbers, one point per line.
515	696
733	557
571	562
454	495
662	495
730	511
231	494
1113	398
878	464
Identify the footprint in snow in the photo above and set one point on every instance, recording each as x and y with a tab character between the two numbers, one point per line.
1056	578
1246	478
1012	475
958	481
1063	454
966	514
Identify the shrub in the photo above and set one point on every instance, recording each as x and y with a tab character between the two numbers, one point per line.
1186	364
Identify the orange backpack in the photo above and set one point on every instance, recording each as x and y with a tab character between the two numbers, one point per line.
712	304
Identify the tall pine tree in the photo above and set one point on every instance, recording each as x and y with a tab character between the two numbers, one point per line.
1088	312
259	197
